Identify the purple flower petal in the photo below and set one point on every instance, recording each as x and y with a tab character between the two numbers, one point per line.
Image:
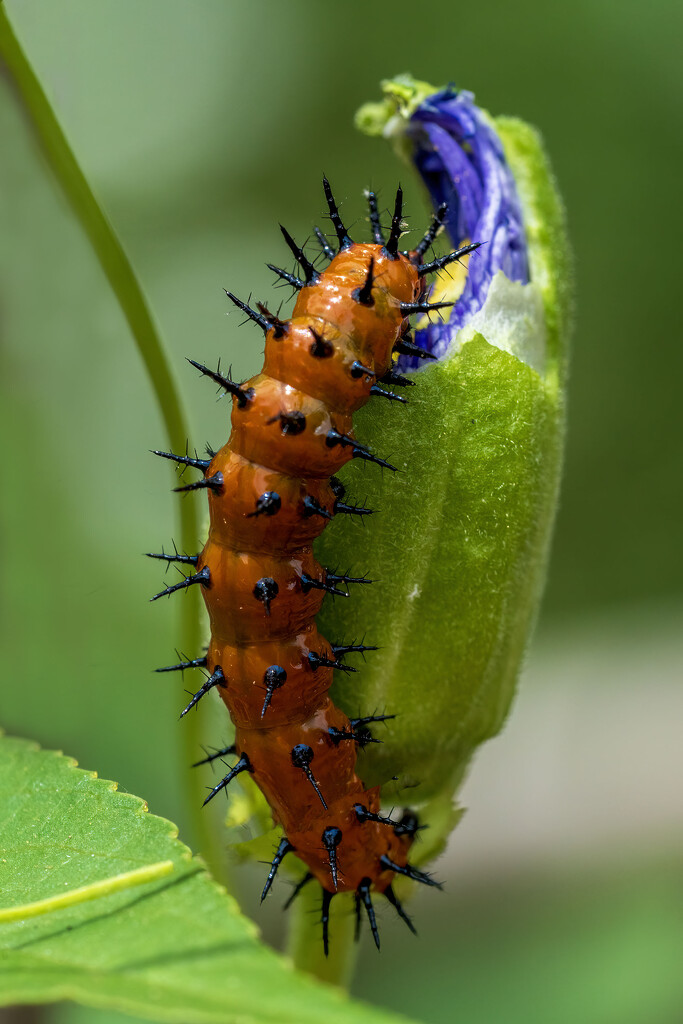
462	162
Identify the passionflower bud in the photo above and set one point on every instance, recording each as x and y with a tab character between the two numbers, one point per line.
461	544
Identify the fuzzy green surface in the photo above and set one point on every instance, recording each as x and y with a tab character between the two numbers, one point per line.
458	550
173	950
544	220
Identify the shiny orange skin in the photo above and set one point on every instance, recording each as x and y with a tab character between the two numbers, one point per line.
246	637
245	481
306	687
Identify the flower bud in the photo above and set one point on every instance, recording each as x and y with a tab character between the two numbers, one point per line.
459	548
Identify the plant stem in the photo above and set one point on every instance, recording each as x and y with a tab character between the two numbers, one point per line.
304	943
121	277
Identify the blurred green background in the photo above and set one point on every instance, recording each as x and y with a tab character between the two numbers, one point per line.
200	127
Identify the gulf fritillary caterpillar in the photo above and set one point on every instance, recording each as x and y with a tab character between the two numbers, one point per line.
272	491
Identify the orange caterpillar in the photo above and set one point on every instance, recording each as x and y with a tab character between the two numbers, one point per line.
271	492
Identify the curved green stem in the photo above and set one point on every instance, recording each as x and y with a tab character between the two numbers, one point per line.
305	946
121	277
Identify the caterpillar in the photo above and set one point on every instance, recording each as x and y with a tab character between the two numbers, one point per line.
272	490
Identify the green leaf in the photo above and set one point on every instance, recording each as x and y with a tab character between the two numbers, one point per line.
175	948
